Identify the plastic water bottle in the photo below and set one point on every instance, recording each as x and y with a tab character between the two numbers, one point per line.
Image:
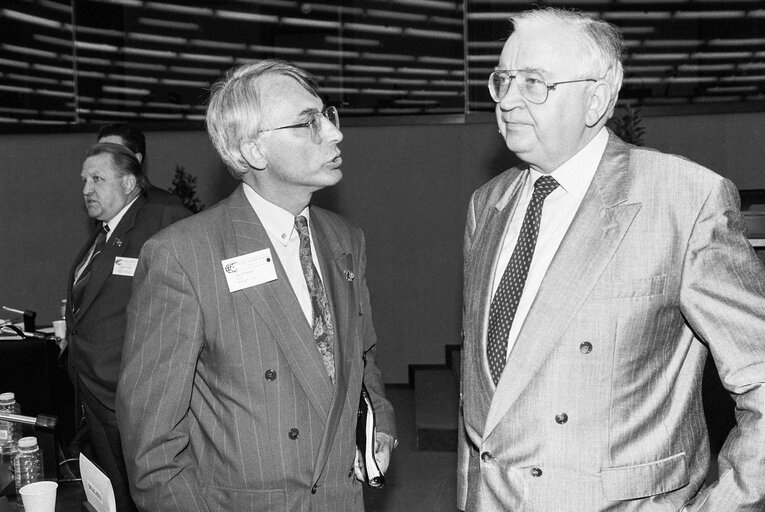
27	466
7	454
10	432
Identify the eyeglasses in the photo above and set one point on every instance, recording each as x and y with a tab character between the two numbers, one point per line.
314	124
531	84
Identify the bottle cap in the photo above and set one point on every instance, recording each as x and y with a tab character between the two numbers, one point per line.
28	442
5	397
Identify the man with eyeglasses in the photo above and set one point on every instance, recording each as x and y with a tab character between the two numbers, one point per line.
250	330
598	277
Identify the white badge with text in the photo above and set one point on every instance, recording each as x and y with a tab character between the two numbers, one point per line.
249	270
124	266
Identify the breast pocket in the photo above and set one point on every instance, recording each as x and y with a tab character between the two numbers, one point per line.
629	289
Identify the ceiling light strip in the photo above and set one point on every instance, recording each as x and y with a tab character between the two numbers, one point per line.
180	9
301	22
434	34
24	50
28	18
245	16
174	25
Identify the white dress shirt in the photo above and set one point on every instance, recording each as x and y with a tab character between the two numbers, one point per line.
280	227
114	221
111	225
574	178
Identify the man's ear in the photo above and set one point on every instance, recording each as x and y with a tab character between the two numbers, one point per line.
600	97
252	154
129	183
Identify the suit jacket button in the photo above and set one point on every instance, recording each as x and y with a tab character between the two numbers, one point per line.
585	347
487	456
270	374
536	472
293	433
561	418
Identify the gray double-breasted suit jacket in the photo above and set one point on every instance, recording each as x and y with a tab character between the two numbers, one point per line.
599	407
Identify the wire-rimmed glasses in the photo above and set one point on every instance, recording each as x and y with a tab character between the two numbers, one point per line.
314	124
531	84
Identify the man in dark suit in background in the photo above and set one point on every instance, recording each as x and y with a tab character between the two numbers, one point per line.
132	138
247	332
100	285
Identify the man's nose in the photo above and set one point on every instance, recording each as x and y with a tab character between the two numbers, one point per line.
331	132
512	97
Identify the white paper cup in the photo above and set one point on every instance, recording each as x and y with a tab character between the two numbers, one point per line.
59	329
39	496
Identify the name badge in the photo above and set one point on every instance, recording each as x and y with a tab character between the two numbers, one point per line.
124	266
249	270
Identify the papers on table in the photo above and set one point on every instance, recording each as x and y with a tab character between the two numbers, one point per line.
98	487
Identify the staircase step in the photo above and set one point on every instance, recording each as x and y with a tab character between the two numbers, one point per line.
436	397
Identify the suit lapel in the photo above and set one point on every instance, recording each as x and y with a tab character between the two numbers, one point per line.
277	304
103	265
487	248
594	235
483	260
334	261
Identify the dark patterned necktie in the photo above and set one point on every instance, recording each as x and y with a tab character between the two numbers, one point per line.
323	328
505	301
78	288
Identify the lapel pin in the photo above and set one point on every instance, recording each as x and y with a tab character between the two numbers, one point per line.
349	275
118	242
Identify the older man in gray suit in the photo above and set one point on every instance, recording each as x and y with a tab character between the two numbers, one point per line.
250	324
597	279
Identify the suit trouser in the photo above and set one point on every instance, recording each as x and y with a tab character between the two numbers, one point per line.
107	447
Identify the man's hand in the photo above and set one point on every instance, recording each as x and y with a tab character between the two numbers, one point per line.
384	445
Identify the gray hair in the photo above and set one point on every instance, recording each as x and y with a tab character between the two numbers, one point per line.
233	113
602	39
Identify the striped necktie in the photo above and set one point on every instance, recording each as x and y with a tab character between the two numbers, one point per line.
83	272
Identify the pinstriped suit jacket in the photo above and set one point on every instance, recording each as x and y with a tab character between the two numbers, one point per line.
224	401
599	407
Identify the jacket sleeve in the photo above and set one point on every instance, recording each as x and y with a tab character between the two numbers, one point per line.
723	300
162	344
384	414
463	447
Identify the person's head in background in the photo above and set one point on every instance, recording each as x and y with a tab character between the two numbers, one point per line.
111	177
126	134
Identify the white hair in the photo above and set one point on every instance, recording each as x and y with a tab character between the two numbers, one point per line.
603	41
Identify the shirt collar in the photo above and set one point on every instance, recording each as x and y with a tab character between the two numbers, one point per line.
114	221
575	175
276	220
